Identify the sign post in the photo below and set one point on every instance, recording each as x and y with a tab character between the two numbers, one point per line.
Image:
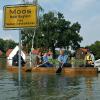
20	17
19	63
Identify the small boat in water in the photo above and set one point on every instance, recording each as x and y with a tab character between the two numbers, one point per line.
69	71
15	69
85	71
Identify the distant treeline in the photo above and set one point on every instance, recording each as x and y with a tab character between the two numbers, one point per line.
95	48
6	44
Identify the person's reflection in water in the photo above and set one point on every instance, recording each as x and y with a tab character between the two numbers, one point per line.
89	88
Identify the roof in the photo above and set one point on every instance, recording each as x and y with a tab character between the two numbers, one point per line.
35	51
8	52
83	49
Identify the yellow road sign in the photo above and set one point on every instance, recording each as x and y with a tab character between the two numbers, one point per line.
20	16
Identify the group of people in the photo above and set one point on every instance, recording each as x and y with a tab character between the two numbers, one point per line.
43	61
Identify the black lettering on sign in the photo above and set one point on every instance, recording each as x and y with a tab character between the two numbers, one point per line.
12	11
18	12
13	16
28	11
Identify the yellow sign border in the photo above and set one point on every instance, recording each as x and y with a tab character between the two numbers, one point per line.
20	5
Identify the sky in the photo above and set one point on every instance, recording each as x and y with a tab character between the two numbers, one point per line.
85	12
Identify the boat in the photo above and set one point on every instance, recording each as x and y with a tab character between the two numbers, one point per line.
85	71
69	71
15	69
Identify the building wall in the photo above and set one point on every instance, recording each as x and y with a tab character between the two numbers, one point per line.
11	55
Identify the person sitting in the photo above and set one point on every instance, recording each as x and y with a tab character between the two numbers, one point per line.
45	62
39	59
15	61
63	59
92	57
89	59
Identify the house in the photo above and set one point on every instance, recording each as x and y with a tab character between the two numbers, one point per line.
80	53
35	51
10	54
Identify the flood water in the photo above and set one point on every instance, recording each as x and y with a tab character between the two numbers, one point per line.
36	86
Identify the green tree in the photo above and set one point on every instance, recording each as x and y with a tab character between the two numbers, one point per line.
2	44
54	31
95	48
27	36
58	31
9	44
6	44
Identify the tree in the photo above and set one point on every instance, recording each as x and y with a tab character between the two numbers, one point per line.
9	44
95	48
55	31
28	35
58	32
6	44
1	44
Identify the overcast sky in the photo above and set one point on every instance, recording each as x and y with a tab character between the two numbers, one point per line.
86	12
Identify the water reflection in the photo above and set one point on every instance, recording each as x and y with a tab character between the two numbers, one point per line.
47	87
2	63
36	86
89	86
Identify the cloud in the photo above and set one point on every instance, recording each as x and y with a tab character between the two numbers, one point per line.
79	5
1	19
86	12
1	12
7	34
90	30
47	0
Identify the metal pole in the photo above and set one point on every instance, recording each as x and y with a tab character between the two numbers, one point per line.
19	65
31	56
33	39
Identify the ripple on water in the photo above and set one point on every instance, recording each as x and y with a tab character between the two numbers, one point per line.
35	86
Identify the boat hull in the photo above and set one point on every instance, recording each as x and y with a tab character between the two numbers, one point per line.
86	71
15	69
